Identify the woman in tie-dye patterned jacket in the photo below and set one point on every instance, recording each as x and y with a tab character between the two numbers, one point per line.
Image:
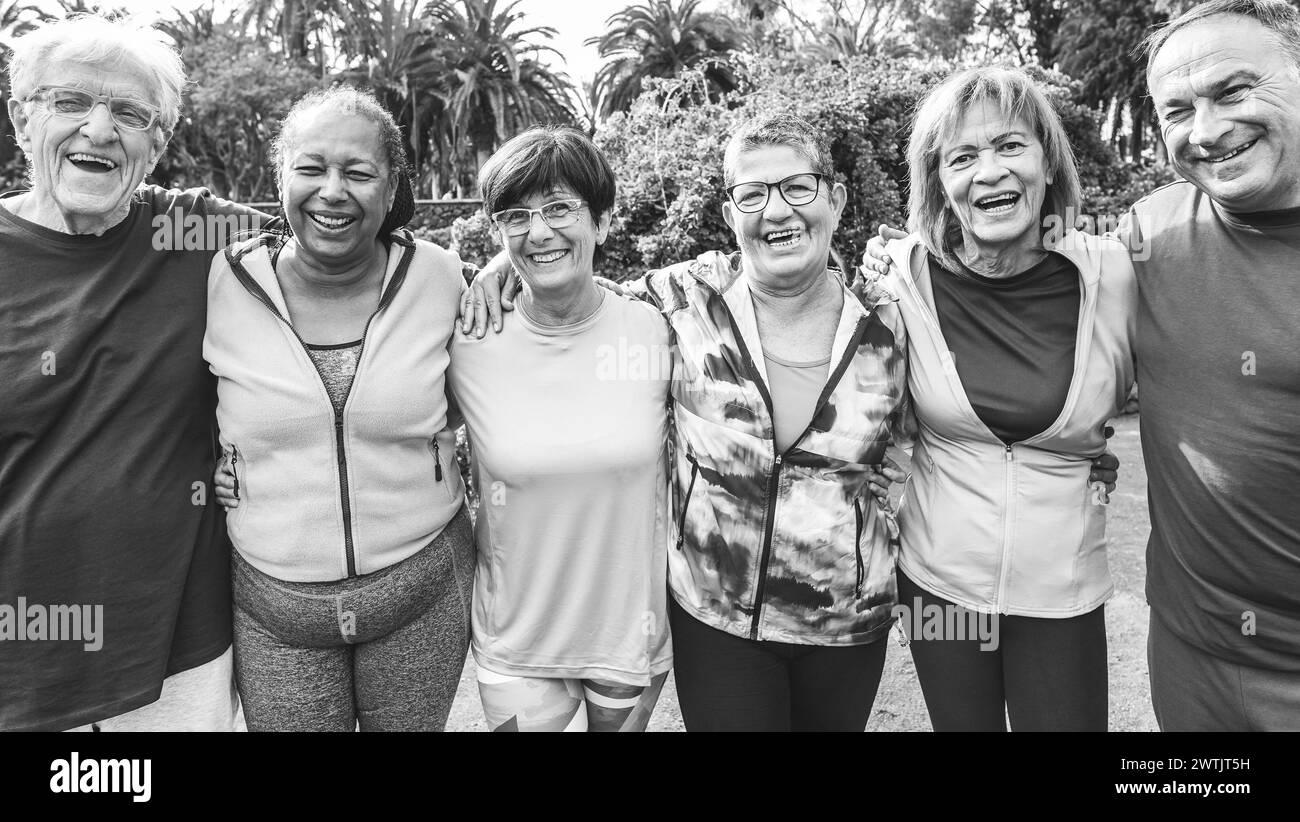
786	392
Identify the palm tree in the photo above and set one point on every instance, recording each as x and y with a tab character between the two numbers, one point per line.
302	27
189	28
660	38
396	55
496	84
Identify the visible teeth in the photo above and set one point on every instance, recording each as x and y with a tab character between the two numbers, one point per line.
997	202
89	158
332	222
781	237
548	257
1231	154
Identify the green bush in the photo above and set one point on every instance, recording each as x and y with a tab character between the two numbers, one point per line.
474	239
436	222
1135	183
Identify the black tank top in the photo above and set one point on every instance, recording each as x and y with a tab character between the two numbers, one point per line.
1012	340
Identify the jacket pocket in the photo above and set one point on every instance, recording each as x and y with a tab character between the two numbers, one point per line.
857	548
686	502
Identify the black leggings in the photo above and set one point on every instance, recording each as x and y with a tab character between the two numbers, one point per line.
1047	674
728	683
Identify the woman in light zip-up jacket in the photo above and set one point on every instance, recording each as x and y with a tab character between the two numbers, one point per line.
1022	335
354	557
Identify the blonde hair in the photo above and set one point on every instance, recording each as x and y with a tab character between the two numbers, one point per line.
939	117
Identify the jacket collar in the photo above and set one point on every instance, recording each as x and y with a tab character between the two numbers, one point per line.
1084	250
250	261
723	275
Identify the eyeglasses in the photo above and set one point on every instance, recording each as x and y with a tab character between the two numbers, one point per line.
797	189
75	103
558	214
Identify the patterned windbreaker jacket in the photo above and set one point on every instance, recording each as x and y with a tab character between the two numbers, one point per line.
786	546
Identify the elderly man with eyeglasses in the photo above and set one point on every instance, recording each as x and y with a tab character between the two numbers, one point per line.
114	570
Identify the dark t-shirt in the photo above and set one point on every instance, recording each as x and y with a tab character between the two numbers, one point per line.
1012	340
106	459
1219	374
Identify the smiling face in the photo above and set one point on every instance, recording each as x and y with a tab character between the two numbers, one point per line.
555	259
85	170
336	187
994	175
784	246
1228	98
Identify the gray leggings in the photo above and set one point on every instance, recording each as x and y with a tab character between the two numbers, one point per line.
382	650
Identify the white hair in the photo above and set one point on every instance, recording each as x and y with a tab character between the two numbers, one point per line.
108	44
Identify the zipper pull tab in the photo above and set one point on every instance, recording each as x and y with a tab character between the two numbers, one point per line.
437	462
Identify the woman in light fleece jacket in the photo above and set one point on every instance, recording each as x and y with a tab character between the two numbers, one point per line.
1022	334
354	558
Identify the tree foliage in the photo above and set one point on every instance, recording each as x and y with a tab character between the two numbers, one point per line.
662	38
462	76
497	83
1097	42
668	156
224	137
16	19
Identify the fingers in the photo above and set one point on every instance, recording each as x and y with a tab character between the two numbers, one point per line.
879	491
1104	473
1100	494
509	288
881	477
888	233
467	310
480	312
1107	478
1105	470
493	311
875	260
609	285
223	486
892	471
1106	462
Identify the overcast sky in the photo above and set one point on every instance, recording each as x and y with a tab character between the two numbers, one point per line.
576	20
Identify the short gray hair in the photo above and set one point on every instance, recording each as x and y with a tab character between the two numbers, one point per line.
1278	16
97	41
778	130
939	116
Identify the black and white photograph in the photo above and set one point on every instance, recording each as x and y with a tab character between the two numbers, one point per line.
648	366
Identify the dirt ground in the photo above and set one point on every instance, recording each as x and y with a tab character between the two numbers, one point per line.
899	706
